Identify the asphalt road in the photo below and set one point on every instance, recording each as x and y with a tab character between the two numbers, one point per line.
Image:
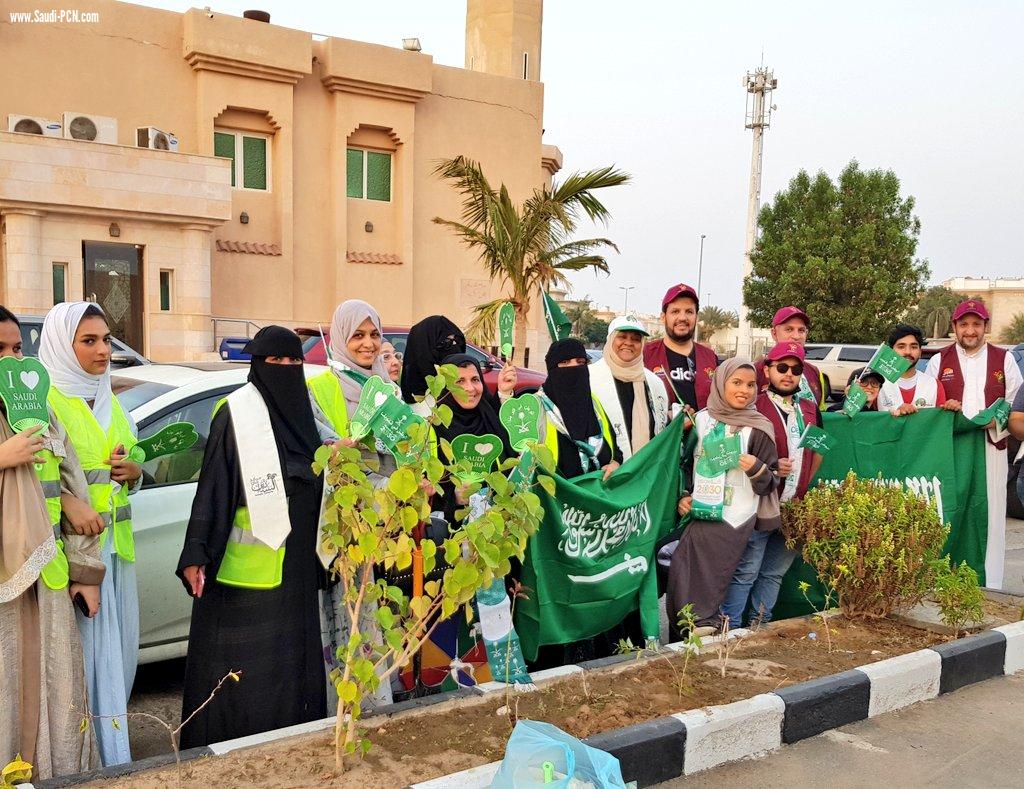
969	738
158	686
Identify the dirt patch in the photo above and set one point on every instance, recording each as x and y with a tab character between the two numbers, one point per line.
451	737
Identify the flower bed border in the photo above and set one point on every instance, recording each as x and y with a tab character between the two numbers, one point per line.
689	742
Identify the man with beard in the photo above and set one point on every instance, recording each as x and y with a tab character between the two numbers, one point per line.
791	324
684	366
914	389
976	374
759	574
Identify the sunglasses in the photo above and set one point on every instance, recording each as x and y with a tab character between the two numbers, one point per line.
785	367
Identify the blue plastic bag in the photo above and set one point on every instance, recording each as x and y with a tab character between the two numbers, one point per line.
541	756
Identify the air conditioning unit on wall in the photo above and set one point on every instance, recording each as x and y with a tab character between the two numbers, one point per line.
152	137
26	124
92	128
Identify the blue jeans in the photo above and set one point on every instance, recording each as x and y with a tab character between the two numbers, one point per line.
758	577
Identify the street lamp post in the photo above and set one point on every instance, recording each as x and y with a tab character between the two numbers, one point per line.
700	272
625	298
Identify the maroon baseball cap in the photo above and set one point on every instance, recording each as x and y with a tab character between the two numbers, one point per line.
784	349
786	313
970	307
679	291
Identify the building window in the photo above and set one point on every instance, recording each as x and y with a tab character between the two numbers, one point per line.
250	158
166	289
60	282
368	174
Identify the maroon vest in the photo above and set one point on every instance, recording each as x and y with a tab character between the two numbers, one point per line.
809	410
810	373
952	378
656	360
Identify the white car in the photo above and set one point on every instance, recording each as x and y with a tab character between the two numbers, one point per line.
158	395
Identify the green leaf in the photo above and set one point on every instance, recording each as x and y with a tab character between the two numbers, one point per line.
409	518
446	450
403	484
385	617
464	574
394	639
347	691
432	588
547	483
444	413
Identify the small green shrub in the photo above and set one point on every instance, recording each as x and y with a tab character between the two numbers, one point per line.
879	547
958	595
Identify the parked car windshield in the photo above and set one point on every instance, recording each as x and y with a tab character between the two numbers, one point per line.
132	393
816	351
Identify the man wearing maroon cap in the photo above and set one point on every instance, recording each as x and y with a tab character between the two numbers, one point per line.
684	366
759	574
976	374
791	324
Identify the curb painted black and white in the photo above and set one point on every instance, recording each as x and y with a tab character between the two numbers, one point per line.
697	740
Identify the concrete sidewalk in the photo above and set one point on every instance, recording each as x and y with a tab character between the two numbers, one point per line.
973	737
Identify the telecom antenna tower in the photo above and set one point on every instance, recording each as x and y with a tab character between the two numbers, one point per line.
759	85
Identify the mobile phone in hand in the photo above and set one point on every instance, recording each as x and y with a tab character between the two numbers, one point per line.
83	606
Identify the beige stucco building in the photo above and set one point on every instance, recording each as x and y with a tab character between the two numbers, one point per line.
302	175
1003	297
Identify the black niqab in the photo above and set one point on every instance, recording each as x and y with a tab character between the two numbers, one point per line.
569	389
283	387
428	343
478	421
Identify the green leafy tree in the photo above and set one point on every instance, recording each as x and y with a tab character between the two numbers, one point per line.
526	247
1014	333
934	311
585	324
842	250
713	319
370	527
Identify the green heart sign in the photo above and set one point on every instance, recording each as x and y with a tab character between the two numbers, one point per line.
24	386
521	418
391	422
479	451
375	393
506	327
168	441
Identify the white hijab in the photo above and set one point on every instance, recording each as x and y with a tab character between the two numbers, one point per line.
347	318
57	354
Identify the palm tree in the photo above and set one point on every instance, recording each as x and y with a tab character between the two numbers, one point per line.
1013	333
528	247
712	319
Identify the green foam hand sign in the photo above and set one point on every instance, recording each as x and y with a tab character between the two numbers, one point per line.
856	399
24	386
506	327
391	422
521	418
375	393
816	440
718	455
888	364
170	440
479	452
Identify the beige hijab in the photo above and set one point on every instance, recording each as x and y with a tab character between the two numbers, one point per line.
634	373
26	539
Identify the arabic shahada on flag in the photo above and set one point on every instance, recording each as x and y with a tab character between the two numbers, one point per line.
592	561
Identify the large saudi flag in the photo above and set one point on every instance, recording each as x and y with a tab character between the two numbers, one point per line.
592	560
937	454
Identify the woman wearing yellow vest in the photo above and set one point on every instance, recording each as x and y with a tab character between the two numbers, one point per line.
42	678
75	348
577	431
355	350
250	559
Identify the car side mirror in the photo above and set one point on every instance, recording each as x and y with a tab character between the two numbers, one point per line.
490	366
121	359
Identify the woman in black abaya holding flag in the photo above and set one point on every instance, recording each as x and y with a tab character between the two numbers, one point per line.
249	558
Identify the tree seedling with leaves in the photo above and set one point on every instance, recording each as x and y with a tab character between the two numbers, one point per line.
380	526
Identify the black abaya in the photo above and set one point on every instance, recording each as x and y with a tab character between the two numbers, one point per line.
271	636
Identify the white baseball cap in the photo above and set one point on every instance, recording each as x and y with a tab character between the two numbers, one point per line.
627	323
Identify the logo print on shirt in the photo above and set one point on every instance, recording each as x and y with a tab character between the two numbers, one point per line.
261	486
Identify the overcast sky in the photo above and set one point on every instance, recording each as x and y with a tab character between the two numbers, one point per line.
932	90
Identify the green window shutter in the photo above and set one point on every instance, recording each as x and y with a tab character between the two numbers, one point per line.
354	172
378	176
224	145
254	162
59	288
165	291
